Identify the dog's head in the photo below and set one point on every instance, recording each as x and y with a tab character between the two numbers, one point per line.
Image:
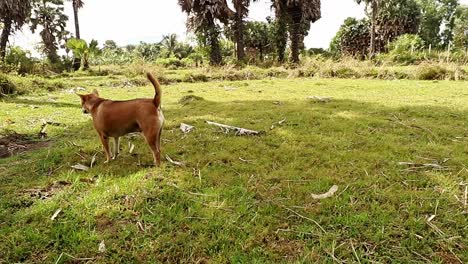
88	100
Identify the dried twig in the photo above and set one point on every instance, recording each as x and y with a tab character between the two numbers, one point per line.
70	256
55	214
80	167
239	131
307	218
328	194
93	160
177	163
278	123
320	99
355	253
186	128
412	166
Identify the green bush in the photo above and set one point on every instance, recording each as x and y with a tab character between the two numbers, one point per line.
7	87
430	72
20	60
171	63
195	77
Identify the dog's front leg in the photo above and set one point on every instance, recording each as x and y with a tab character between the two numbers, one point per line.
116	147
105	145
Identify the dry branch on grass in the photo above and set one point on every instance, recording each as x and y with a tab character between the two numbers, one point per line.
186	128
320	99
328	194
412	166
42	133
177	163
80	167
279	123
239	131
55	214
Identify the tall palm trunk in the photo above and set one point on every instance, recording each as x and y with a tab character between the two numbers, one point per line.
295	36
281	38
215	52
77	23
239	31
4	39
372	33
240	38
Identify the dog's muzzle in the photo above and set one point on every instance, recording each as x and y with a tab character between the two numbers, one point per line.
85	111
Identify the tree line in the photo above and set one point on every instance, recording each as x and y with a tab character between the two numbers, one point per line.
439	24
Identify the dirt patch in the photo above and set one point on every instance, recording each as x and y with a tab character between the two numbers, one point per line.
190	99
47	192
15	144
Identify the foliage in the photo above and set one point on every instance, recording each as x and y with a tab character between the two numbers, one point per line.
82	50
203	16
7	87
406	43
448	9
460	39
353	38
13	15
148	51
49	14
431	22
395	18
259	37
20	59
297	15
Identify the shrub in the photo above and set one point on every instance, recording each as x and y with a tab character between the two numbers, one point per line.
195	77
7	87
171	62
430	72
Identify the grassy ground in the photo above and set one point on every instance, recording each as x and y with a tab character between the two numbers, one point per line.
245	199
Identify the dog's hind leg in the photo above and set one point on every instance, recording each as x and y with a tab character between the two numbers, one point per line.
158	146
151	137
116	147
105	145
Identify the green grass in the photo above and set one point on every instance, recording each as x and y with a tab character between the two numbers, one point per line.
246	199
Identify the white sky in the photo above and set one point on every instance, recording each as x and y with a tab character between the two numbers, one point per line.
149	20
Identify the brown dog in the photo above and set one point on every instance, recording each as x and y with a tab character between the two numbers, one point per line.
118	118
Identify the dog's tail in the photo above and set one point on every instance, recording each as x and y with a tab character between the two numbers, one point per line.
157	88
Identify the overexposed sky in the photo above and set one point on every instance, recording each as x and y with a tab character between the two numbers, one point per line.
149	20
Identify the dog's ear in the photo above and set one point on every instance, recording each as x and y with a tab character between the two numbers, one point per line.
82	96
95	92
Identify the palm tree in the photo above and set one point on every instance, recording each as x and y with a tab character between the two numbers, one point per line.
298	14
203	16
372	7
82	50
13	15
77	4
50	16
242	10
170	43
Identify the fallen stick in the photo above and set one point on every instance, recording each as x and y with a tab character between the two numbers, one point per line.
239	131
307	218
416	166
80	167
278	123
55	214
186	128
328	194
177	163
320	99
